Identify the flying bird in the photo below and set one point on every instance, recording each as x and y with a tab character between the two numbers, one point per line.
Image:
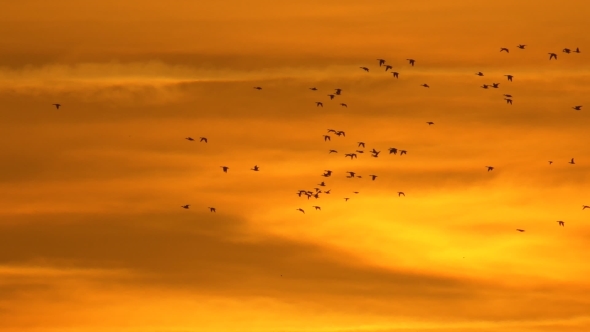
571	161
430	123
425	85
388	67
225	168
359	151
490	168
364	68
346	199
189	138
351	155
212	209
361	144
395	74
331	96
577	108
508	96
185	206
340	132
300	209
485	86
520	230
509	77
561	223
381	62
313	89
343	105
550	162
327	138
321	184
373	177
203	139
495	85
56	106
412	61
351	174
317	207
402	152
332	151
584	207
566	50
399	193
392	150
338	91
577	50
255	168
319	103
257	88
504	49
508	101
375	154
521	46
479	73
552	56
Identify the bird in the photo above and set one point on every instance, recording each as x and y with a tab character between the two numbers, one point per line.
225	168
521	46
331	96
381	62
255	168
212	209
577	50
332	151
508	101
346	199
495	85
361	144
327	138
340	132
577	108
550	162
479	73
520	230
321	184
351	174
317	207
313	89
399	193
425	85
375	154
56	106
351	155
490	168
509	77
203	139
257	88
185	206
327	191
189	139
364	68
571	161
319	103
508	96
561	223
388	67
412	61
395	74
402	152
430	123
584	207
552	56
373	177
343	105
331	131
359	151
485	86
338	91
504	49
392	150
300	209
566	50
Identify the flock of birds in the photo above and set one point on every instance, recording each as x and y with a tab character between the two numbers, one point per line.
315	193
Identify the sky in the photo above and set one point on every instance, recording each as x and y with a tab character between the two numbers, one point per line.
92	233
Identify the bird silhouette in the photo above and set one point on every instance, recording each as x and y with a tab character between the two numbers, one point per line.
319	103
402	152
561	223
364	68
300	209
552	56
340	132
550	162
504	49
361	144
425	85
257	88
577	50
331	96
381	62
566	50
359	151
399	193
412	61
495	85
520	230
373	177
521	46
327	138
577	108
332	151
313	89
57	106
317	207
225	168
189	139
212	209
321	184
509	77
508	101
388	67
479	73
571	161
203	139
351	174
395	74
430	123
490	168
508	96
255	168
338	91
346	199
485	86
185	206
392	150
351	155
375	154
343	105
584	207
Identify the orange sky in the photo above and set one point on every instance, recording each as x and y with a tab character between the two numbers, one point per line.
92	236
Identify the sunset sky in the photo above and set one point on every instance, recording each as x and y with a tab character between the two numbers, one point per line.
92	234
